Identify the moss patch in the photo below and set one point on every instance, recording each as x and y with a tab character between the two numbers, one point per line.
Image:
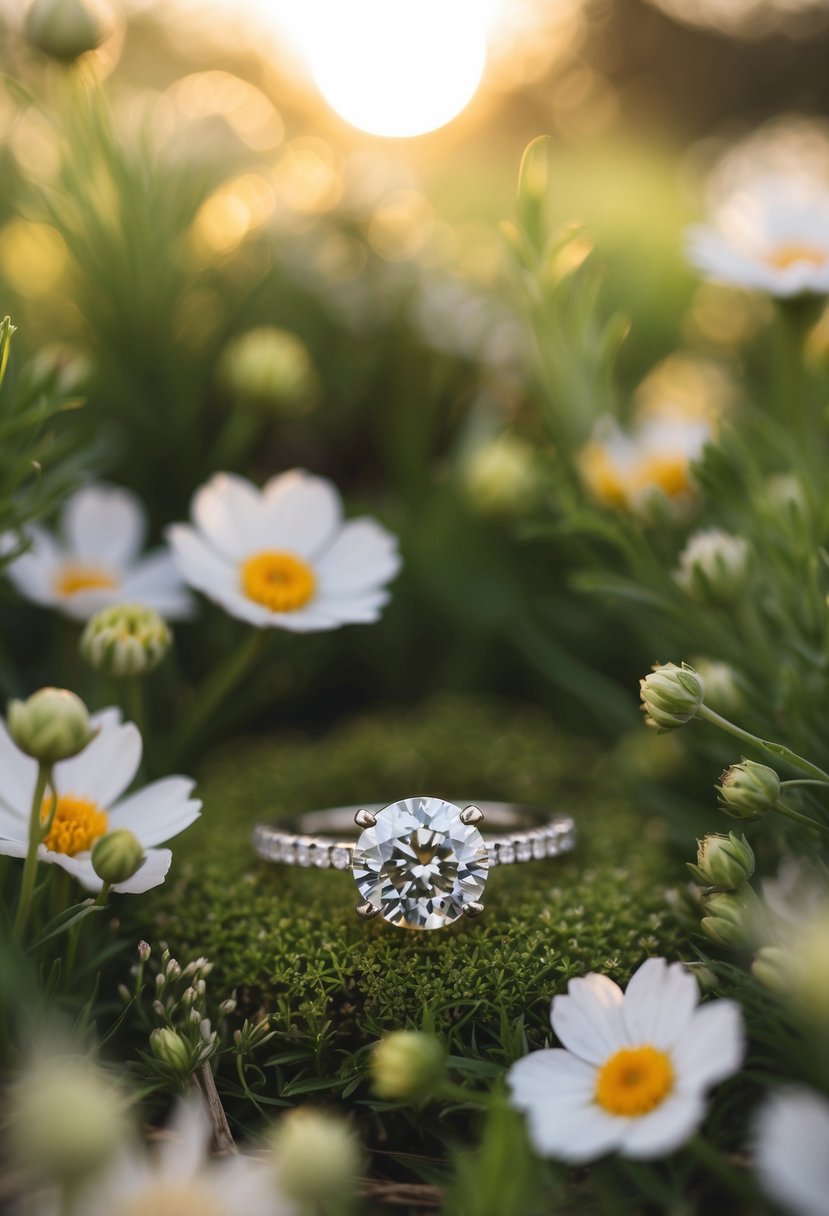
289	940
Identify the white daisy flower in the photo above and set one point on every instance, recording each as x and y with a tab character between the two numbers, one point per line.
181	1177
283	557
634	1068
791	1152
96	560
772	236
90	803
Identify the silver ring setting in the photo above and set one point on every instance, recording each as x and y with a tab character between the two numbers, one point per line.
420	863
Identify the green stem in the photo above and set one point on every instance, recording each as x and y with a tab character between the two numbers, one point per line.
450	1092
134	701
783	809
787	785
777	750
209	696
36	836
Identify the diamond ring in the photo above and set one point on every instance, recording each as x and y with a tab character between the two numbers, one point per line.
420	863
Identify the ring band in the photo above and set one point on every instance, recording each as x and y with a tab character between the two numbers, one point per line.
419	862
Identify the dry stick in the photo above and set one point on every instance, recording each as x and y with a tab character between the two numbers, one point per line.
222	1141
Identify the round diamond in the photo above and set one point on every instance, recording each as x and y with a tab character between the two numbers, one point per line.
420	865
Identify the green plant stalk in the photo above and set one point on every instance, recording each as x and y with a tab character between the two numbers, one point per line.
777	750
210	695
36	836
790	813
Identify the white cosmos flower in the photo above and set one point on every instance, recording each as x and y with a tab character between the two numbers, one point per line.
96	560
791	1151
282	556
634	1068
772	235
90	803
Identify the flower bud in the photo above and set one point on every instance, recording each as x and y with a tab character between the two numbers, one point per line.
806	971
125	640
117	856
722	688
169	1047
271	368
500	477
723	862
317	1158
227	1007
52	725
732	918
748	790
66	29
671	695
65	1119
714	567
771	969
144	951
407	1065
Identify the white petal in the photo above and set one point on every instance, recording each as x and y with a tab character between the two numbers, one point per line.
792	1151
183	1152
34	572
547	1074
18	775
302	513
104	524
159	811
227	510
82	605
589	1020
712	1046
659	1003
80	867
13	848
13	827
154	581
573	1131
104	769
665	1128
152	873
356	610
363	556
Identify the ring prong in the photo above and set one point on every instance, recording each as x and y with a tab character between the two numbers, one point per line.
367	910
473	909
365	819
471	815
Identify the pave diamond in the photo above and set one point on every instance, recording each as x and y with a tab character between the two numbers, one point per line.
420	865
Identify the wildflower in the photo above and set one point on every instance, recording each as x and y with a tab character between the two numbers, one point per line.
771	236
723	862
125	640
407	1065
53	724
798	966
282	557
117	856
635	1066
270	367
66	29
169	1047
748	790
791	1150
96	561
89	804
714	567
671	695
732	918
500	477
317	1158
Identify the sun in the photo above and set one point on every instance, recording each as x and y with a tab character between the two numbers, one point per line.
397	67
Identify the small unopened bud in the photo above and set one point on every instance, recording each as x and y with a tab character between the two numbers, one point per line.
124	993
173	969
144	951
227	1007
723	862
500	477
722	686
52	725
270	368
117	855
714	567
171	1049
125	640
317	1158
771	968
671	695
748	790
159	1009
732	918
407	1065
66	29
188	997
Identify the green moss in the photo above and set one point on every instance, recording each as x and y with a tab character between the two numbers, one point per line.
289	939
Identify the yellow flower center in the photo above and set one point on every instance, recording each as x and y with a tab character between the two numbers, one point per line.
77	576
172	1199
601	475
670	473
280	581
785	256
76	826
634	1081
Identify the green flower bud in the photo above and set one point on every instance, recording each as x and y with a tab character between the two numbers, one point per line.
170	1048
671	695
500	477
66	29
270	368
407	1065
117	856
723	862
806	970
748	790
52	725
317	1158
732	918
125	640
714	567
771	968
722	689
66	1119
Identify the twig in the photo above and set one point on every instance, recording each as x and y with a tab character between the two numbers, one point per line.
222	1142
